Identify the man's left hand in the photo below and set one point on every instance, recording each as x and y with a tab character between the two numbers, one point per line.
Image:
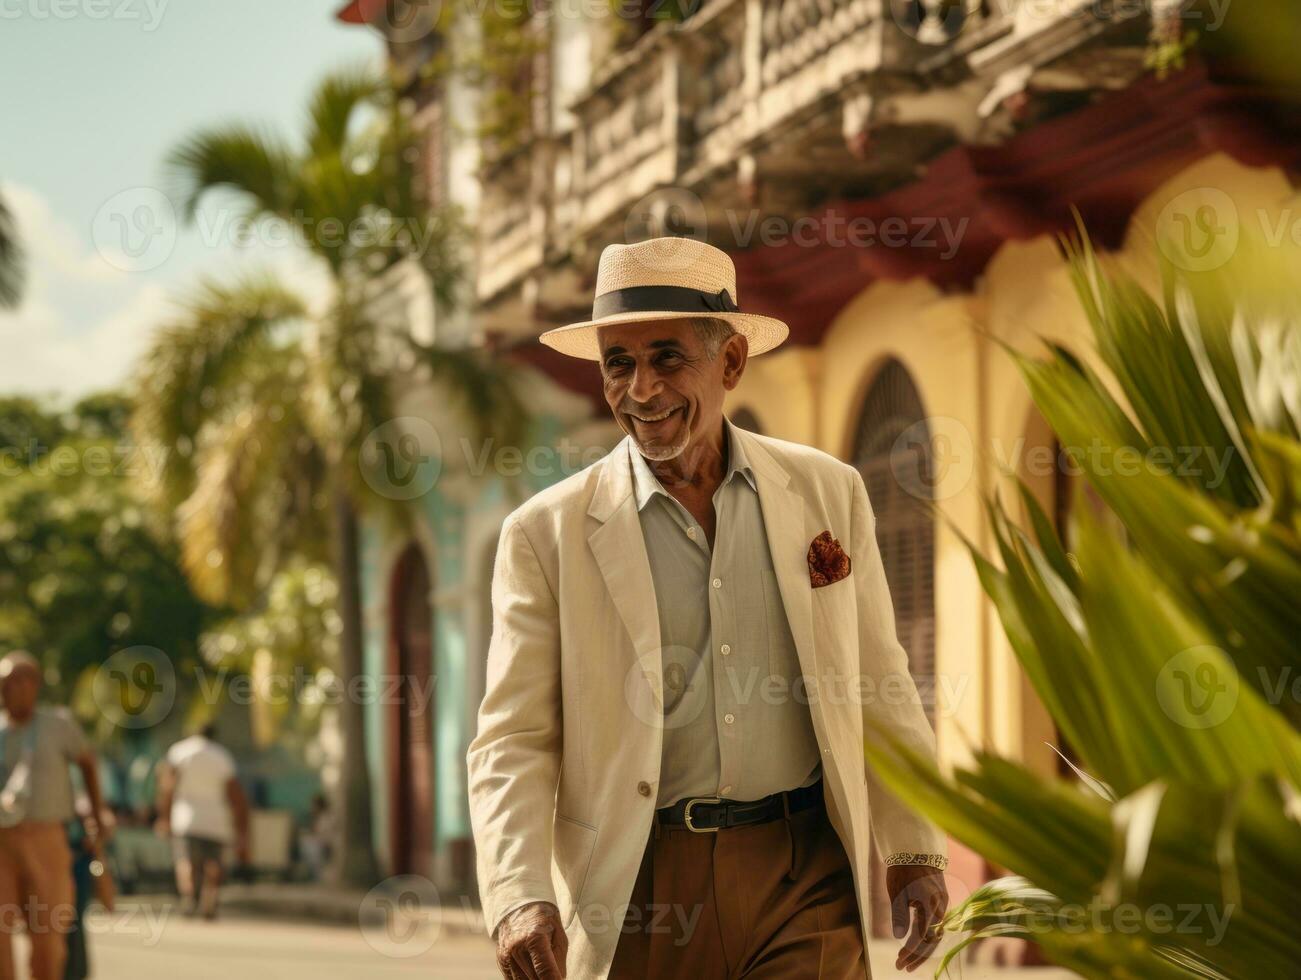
919	889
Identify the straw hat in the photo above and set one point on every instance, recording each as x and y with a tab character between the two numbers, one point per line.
664	279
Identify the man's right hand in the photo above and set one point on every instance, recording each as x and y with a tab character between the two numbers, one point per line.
531	943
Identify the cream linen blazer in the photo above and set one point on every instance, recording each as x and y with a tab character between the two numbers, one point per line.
564	767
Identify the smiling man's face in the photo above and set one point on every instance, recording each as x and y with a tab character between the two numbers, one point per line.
662	385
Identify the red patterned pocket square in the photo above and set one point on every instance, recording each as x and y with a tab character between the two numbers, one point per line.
828	562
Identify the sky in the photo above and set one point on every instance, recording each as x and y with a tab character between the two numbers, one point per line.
93	96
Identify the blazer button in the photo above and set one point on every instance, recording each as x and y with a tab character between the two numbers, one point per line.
643	788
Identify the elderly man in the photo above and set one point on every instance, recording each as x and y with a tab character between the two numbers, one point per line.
37	745
688	639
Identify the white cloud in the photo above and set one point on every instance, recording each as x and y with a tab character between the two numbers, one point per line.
51	242
49	349
84	322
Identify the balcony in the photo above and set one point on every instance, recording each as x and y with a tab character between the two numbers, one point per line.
748	104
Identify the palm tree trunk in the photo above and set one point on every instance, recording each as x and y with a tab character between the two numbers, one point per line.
356	859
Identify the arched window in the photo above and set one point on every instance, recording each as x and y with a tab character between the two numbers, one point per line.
892	449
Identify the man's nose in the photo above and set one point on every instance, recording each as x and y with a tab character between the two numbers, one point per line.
645	384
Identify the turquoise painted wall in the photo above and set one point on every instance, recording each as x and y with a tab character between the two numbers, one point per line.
372	545
454	718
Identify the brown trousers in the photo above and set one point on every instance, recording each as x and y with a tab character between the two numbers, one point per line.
774	901
36	891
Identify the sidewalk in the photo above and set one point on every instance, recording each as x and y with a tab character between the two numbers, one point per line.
370	914
321	905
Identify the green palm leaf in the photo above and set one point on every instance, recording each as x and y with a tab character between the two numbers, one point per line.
1163	650
11	259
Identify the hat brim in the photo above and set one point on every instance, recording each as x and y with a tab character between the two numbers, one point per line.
579	339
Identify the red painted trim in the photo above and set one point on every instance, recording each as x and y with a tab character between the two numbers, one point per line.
361	12
1103	159
580	376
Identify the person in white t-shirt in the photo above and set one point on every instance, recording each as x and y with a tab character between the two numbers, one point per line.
202	807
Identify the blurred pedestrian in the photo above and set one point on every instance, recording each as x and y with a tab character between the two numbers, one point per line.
315	842
83	879
203	808
37	745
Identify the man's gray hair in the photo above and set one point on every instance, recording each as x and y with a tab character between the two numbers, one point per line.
712	333
18	660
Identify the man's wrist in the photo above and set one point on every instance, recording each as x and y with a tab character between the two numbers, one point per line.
916	859
522	906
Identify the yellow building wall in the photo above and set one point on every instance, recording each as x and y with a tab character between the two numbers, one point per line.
985	429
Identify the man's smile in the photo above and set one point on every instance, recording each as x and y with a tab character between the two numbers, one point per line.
654	420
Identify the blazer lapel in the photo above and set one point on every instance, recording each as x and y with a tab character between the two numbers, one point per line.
788	543
620	552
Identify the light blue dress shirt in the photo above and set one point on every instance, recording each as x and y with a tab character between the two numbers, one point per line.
736	715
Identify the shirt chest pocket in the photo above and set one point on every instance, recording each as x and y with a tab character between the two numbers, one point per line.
783	661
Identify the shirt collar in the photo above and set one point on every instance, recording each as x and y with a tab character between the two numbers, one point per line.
646	484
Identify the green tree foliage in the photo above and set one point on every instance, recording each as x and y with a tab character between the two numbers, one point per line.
266	400
288	650
12	263
83	571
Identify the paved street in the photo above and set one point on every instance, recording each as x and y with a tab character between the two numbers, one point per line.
144	947
143	944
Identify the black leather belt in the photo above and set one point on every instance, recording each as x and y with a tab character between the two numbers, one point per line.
709	814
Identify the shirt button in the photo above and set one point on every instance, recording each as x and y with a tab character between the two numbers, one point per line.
729	717
691	532
718	583
725	790
725	649
643	788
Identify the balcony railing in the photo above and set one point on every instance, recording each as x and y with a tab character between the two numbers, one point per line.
686	103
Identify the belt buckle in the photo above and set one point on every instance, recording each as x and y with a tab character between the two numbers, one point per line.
686	814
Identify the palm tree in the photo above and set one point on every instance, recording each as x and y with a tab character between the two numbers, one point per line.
267	406
11	260
1166	654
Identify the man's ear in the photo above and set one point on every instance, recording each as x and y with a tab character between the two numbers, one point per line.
735	354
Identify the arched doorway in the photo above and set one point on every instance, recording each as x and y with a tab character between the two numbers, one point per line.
409	693
892	449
